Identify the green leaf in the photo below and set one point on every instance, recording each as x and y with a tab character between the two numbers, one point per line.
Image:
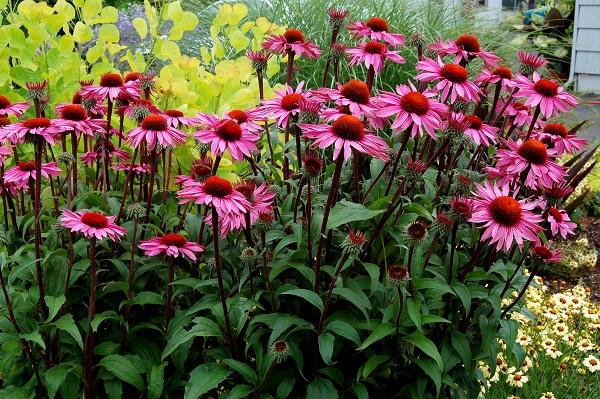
419	210
308	295
463	293
321	388
285	387
203	328
426	345
238	392
360	390
66	323
326	342
344	329
371	364
55	377
380	332
414	311
345	212
462	347
148	298
99	318
156	380
204	378
433	371
356	297
54	304
246	371
122	368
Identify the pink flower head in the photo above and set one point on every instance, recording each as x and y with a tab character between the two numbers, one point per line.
44	127
346	133
172	244
286	103
504	219
94	108
502	75
247	119
155	130
8	108
226	134
480	132
216	192
175	118
453	80
135	168
260	198
413	109
291	41
92	224
112	86
24	170
373	54
560	223
533	157
530	62
545	93
376	29
558	137
545	254
464	48
354	94
137	109
88	158
75	117
517	110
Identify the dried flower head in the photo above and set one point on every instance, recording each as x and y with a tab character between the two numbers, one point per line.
280	351
416	233
248	256
66	157
353	242
135	211
397	274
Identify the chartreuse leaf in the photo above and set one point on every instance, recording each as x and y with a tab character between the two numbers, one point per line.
321	388
82	33
141	27
345	212
204	378
426	345
308	295
122	368
380	332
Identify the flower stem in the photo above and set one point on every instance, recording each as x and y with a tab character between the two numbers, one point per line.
37	207
265	271
534	119
74	143
370	78
104	141
169	299
327	302
128	178
88	351
127	312
532	274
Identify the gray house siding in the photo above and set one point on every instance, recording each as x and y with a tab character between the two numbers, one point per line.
585	57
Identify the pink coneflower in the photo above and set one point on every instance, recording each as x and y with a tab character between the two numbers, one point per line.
92	224
259	60
347	133
226	134
175	118
75	117
558	136
516	109
260	198
44	127
453	80
376	29
88	158
112	86
414	109
336	16
136	168
545	254
560	223
558	191
545	93
171	244
24	170
216	192
138	109
155	130
286	103
502	177
8	108
464	48
501	74
5	152
247	119
480	132
505	220
533	157
530	62
462	208
94	108
292	40
373	54
354	94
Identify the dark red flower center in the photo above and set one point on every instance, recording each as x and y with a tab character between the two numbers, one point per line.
546	87
4	121
154	122
111	80
461	208
96	220
132	76
76	98
505	211
556	129
217	187
27	166
397	272
475	121
556	214
356	91
4	101
34	123
348	127
246	189
173	239
417	230
534	151
519	106
280	346
378	24
293	36
174	113
454	73
229	130
238	115
312	163
73	112
542	252
464	180
468	43
290	102
415	103
503	72
375	48
201	168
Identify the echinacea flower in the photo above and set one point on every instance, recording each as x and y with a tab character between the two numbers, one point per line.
259	60
112	86
88	158
517	110
46	128
138	109
412	108
480	132
291	41
75	117
285	104
135	168
171	244
530	62
92	224
534	158
560	223
505	220
549	96
259	196
376	29
461	208
175	118
545	254
216	192
26	169
9	108
373	54
225	135
558	136
346	133
354	94
247	119
453	80
502	75
336	17
464	48
155	130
